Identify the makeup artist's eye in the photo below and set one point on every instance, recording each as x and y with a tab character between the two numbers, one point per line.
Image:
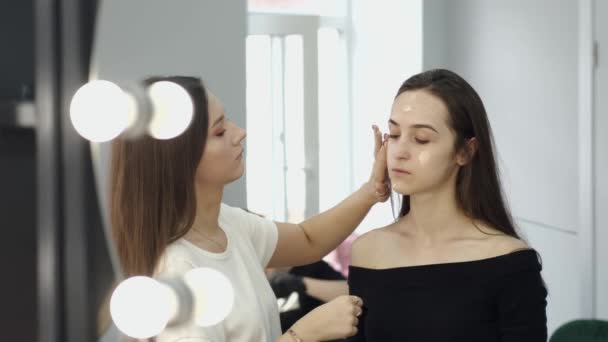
221	134
421	141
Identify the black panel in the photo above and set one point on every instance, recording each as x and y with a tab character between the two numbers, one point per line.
18	222
17	46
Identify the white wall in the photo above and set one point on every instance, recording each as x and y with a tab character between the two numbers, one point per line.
386	45
522	58
139	38
434	34
601	159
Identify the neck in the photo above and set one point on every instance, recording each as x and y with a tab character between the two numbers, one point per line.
208	202
435	215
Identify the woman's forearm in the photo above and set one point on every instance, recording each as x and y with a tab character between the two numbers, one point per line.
308	337
285	338
325	290
328	229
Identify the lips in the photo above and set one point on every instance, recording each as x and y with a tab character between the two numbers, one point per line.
400	171
240	155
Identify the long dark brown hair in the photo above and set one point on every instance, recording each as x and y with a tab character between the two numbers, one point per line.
153	200
478	188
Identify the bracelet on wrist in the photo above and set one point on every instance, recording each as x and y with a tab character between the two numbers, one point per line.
294	335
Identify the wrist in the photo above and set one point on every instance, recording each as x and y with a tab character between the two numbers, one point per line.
294	336
368	191
303	332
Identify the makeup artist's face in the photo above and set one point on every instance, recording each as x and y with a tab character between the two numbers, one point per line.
223	160
420	154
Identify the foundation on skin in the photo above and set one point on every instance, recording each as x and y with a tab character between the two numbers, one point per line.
424	157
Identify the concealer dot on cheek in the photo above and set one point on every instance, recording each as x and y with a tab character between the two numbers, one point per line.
424	157
407	108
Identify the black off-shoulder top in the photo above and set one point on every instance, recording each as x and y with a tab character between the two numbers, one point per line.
496	299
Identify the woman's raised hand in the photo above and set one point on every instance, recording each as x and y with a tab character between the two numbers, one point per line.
379	180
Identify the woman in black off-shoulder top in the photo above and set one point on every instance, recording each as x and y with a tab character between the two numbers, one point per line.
452	267
496	299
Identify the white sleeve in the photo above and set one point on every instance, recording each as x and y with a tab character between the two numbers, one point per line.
262	233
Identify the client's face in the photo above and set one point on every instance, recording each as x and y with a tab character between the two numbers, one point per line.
223	160
420	152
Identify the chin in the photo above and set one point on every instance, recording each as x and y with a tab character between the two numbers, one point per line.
238	173
402	189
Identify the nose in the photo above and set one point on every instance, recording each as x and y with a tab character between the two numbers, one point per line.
240	135
400	150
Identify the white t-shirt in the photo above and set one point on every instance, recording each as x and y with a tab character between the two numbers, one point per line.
251	243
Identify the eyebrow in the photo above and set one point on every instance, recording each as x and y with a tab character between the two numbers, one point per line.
393	122
220	119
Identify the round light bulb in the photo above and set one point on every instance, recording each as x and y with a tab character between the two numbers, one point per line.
172	110
141	307
213	295
99	111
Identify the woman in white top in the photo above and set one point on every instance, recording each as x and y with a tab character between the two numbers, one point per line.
168	217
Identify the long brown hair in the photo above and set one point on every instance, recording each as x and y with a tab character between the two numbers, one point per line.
153	200
478	189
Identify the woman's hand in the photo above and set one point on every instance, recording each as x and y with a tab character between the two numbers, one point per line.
333	320
379	182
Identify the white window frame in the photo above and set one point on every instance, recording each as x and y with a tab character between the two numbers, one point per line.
306	26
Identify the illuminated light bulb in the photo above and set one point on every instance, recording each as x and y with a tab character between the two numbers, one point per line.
172	110
99	111
213	295
141	307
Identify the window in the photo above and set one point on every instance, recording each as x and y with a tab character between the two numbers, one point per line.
297	101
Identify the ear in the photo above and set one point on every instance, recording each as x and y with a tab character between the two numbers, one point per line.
466	154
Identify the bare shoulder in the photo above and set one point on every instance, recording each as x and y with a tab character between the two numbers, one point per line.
505	244
365	247
499	243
